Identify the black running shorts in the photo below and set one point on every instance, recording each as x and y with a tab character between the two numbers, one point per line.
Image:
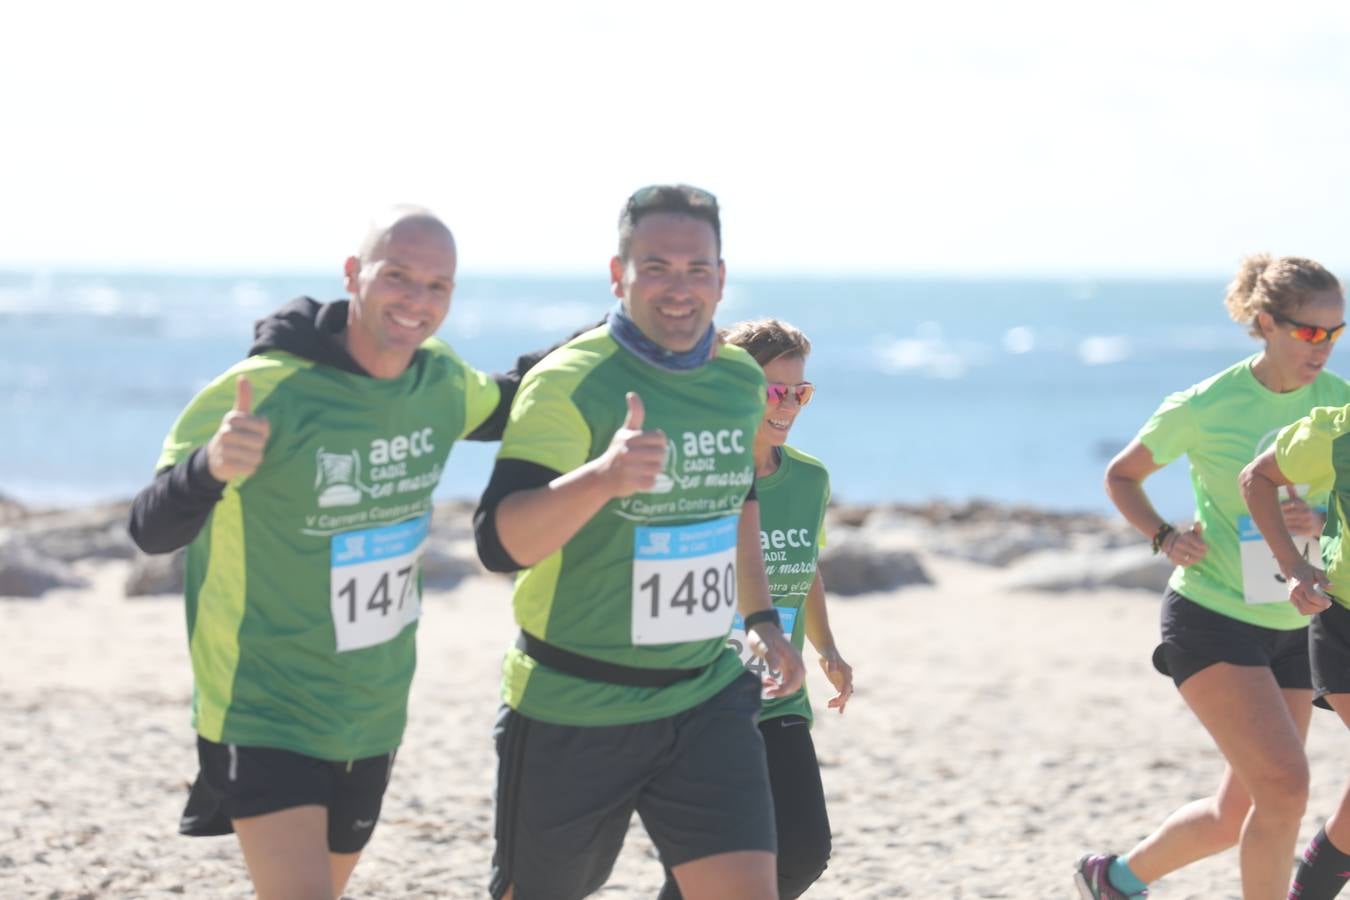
240	782
1329	651
566	793
1195	638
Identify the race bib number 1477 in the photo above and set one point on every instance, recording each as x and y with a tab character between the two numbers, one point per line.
374	582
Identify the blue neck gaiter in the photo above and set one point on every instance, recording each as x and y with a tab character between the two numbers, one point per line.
625	331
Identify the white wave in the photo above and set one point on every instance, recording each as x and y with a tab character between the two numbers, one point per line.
463	323
1019	339
97	298
17	300
928	354
1207	338
1104	350
250	296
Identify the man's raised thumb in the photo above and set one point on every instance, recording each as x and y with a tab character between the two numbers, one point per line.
636	414
243	395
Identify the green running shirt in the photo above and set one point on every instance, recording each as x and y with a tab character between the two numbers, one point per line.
303	587
1316	450
1221	424
649	581
792	504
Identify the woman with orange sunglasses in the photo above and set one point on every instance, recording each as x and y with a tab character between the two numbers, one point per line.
1235	647
793	489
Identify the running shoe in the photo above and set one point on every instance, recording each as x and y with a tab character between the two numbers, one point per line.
1090	878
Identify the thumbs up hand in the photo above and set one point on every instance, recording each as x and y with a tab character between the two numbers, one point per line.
634	457
236	449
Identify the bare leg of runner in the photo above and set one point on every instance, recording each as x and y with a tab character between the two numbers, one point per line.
341	865
287	855
743	875
1262	739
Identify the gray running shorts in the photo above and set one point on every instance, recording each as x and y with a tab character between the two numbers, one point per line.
566	793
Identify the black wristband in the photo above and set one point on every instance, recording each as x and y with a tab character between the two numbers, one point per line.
764	615
1160	536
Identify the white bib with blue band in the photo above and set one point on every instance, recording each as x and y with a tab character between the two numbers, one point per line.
374	582
1262	581
684	581
740	641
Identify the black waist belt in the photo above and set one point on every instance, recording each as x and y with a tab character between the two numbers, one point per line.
579	666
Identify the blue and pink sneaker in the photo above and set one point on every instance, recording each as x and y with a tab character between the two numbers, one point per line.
1090	878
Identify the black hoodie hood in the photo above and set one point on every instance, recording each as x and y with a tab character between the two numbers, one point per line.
308	329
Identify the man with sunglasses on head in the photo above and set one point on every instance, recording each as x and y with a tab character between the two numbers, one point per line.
1232	643
623	495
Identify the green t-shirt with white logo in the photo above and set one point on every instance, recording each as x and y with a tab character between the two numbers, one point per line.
1221	424
303	588
792	504
1316	450
650	580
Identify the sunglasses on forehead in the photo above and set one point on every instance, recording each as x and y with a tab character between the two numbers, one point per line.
777	392
663	194
1312	334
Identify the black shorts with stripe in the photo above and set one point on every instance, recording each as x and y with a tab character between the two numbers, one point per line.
237	782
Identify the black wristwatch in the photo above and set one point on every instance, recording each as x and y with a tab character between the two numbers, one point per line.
764	615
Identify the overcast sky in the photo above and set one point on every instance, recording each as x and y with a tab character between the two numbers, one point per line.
959	138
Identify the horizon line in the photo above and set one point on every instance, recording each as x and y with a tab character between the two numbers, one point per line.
854	273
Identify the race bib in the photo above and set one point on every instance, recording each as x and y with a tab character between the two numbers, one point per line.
739	640
1261	578
684	581
374	583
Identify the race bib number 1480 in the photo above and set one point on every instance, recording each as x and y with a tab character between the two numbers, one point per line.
684	581
373	581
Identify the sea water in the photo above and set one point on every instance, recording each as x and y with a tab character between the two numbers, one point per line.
1015	390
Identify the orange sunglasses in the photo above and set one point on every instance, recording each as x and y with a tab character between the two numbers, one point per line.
1312	334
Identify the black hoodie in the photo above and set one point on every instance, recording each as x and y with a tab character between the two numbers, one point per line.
170	511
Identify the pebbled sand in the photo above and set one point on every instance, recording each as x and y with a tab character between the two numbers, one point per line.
993	737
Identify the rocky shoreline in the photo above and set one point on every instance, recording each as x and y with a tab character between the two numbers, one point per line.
869	548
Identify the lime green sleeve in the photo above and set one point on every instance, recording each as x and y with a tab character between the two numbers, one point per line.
1171	430
545	426
198	422
1303	449
481	396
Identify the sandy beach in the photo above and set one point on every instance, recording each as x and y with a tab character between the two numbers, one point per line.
993	737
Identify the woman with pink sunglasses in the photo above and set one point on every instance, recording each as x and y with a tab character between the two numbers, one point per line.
793	489
1235	647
